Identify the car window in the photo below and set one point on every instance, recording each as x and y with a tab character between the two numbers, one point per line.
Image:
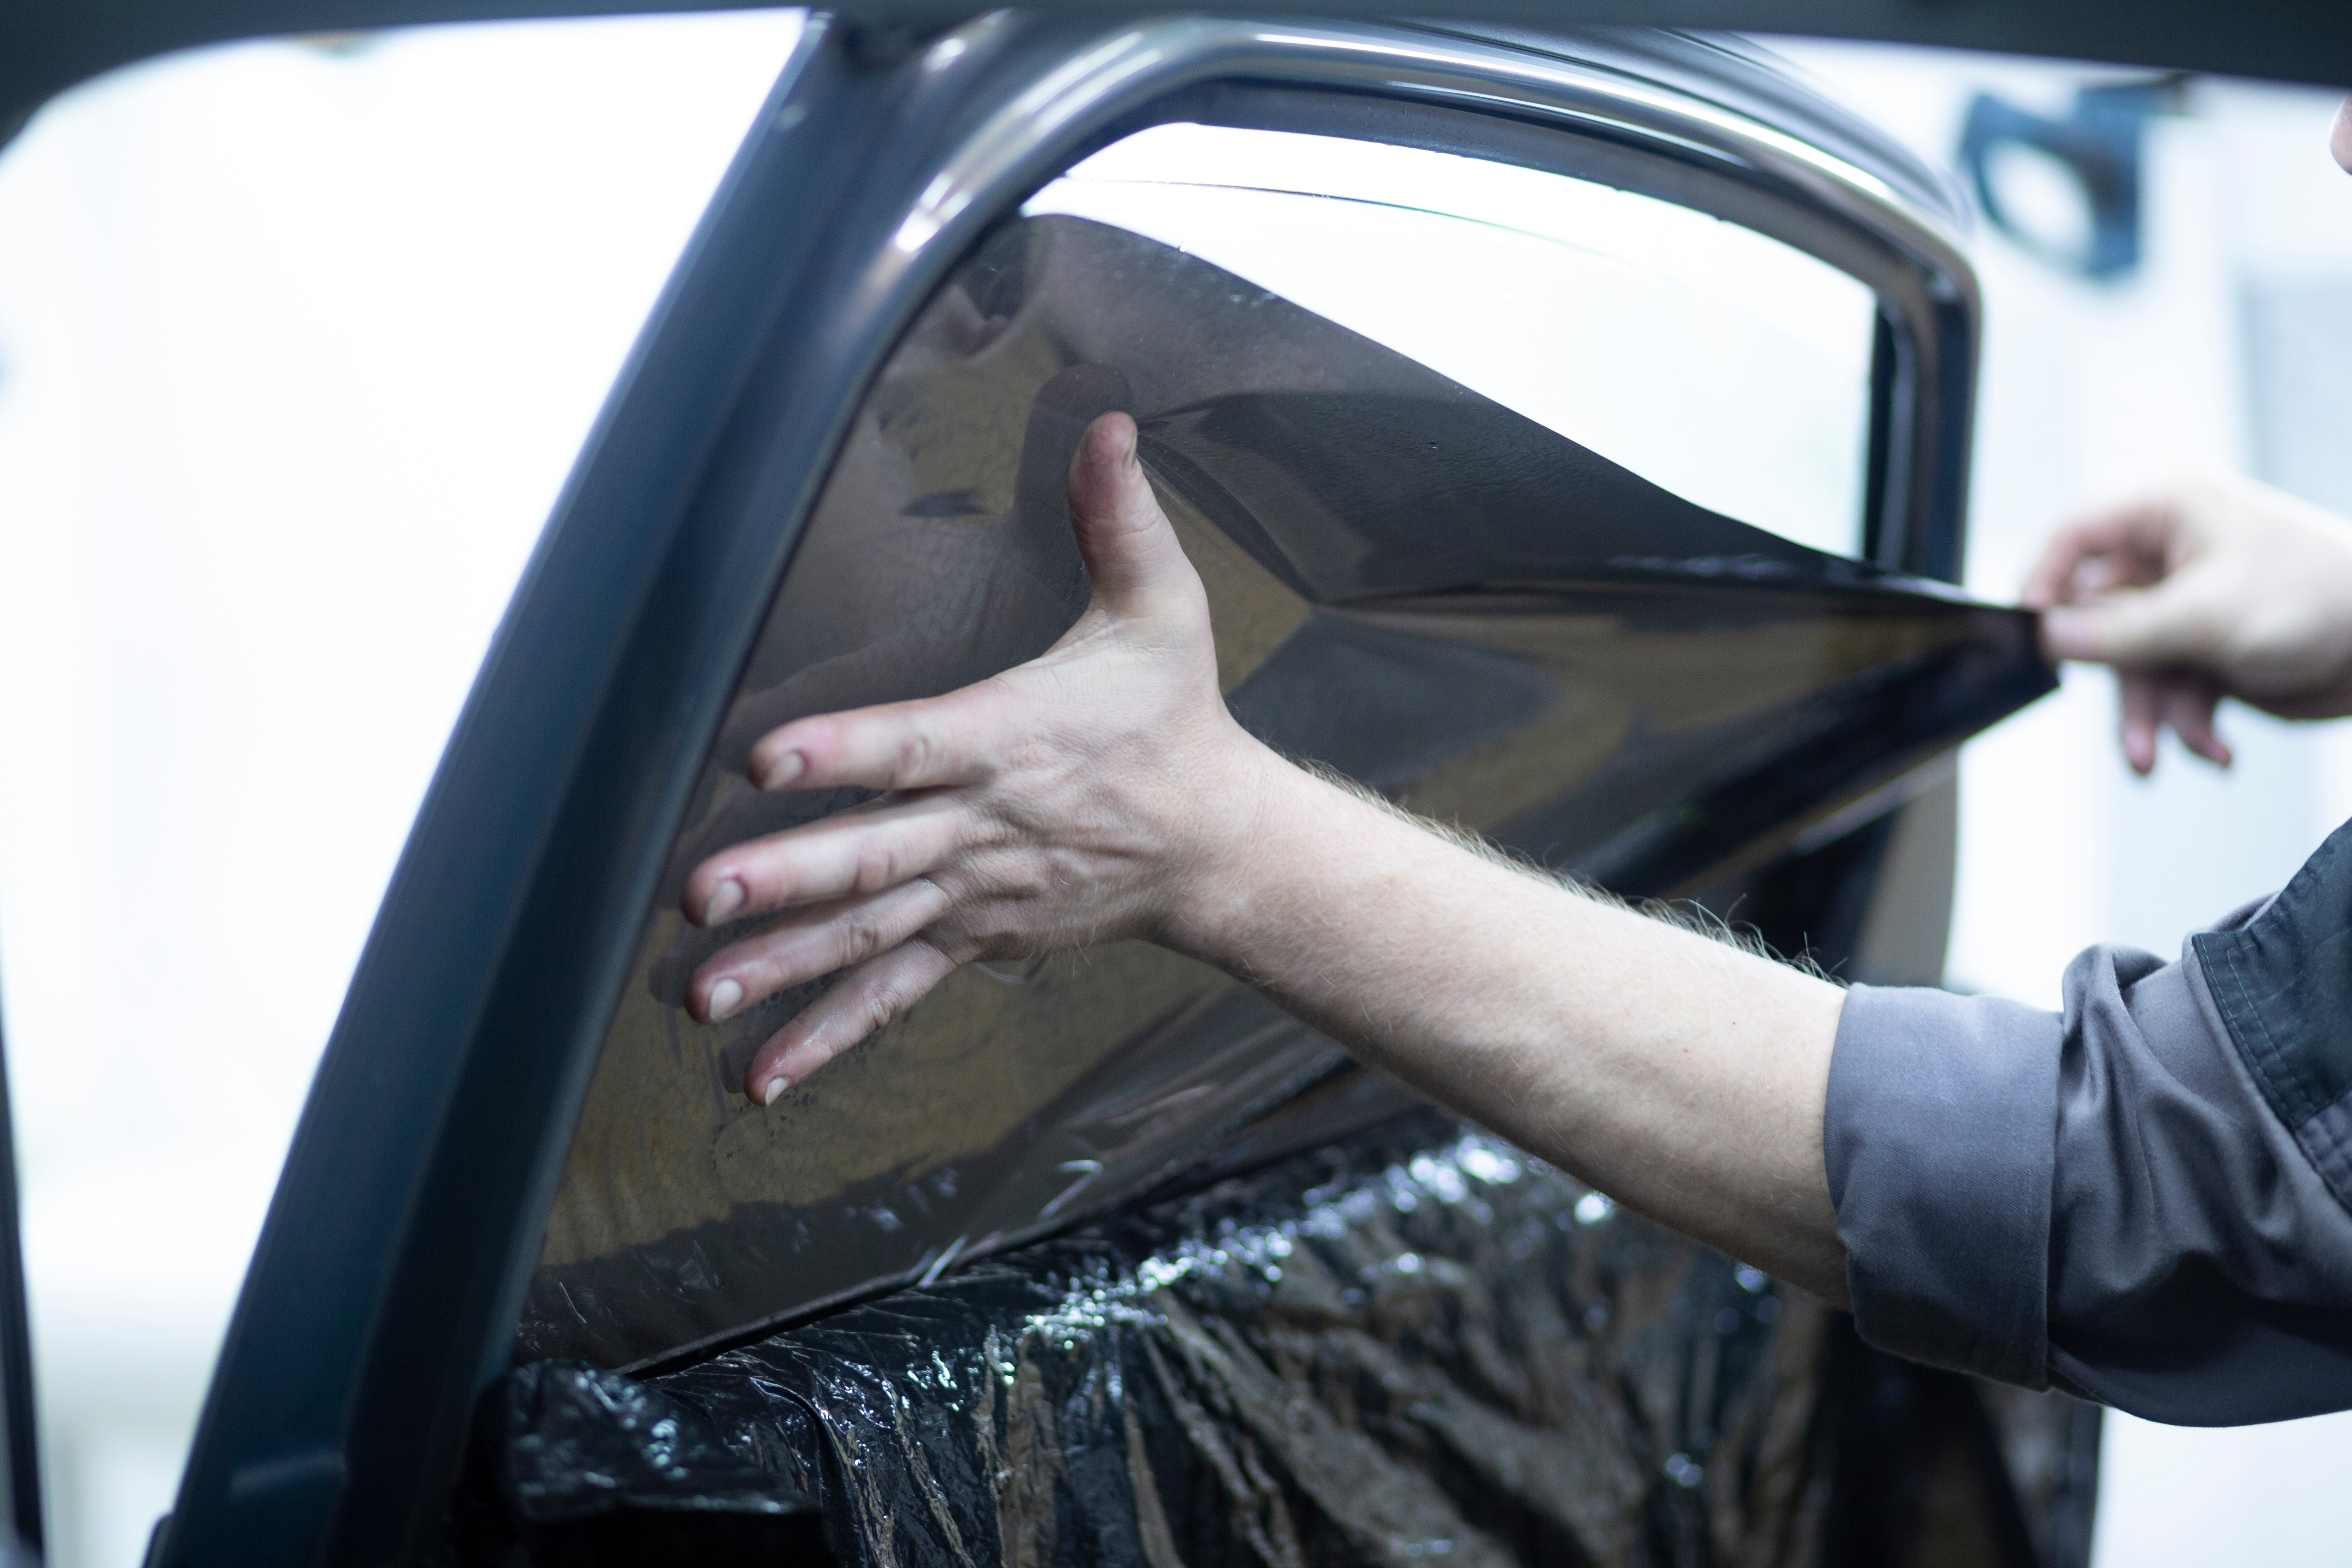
1414	581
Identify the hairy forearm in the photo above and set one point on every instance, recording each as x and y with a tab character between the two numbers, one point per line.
1681	1074
1104	791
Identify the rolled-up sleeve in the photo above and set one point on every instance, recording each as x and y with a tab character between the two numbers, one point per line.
1941	1154
2132	1198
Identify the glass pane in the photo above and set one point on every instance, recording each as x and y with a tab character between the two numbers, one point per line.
1724	365
1412	581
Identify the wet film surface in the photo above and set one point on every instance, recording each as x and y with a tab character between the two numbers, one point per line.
1410	583
1417	1345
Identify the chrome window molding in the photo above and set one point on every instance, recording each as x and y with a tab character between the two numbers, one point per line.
1154	57
1134	74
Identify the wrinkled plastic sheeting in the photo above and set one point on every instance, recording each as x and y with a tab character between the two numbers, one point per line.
1420	1344
588	1443
577	1467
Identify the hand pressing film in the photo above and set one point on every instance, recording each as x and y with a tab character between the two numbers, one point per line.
1069	801
1103	791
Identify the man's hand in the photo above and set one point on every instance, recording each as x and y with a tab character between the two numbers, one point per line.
1074	800
2219	587
1103	791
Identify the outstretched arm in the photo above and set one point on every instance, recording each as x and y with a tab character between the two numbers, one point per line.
1104	792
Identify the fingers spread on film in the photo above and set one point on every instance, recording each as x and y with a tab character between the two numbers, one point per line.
861	851
815	941
859	1002
902	746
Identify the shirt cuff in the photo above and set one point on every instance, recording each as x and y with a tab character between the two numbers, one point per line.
1941	1140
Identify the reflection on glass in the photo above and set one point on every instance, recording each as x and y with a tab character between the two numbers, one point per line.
1410	582
1724	365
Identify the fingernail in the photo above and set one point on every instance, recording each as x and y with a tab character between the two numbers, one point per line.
725	997
784	771
776	1090
724	900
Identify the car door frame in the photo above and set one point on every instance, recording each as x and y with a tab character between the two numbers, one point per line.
386	1281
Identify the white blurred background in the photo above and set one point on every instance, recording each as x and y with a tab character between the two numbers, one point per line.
297	343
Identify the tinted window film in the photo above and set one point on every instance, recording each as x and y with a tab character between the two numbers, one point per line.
1413	581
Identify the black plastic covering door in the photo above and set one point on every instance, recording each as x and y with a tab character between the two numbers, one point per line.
830	476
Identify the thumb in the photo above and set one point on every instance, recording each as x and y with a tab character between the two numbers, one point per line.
1130	548
2141	627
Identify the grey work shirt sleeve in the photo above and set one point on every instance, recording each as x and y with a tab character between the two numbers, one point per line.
2136	1198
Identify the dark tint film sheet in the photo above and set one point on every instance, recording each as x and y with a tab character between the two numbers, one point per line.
1410	583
